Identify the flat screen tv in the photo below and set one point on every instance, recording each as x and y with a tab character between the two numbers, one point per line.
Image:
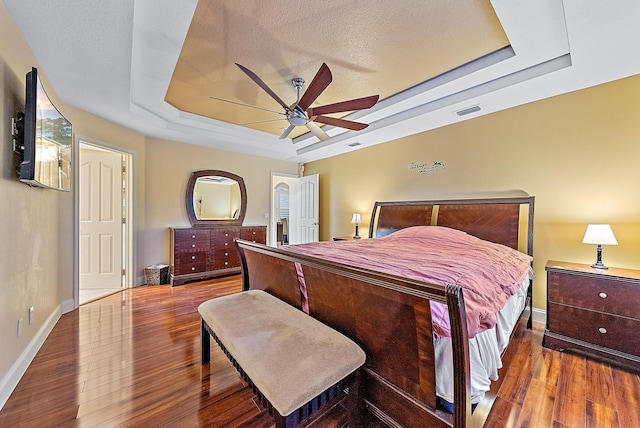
46	145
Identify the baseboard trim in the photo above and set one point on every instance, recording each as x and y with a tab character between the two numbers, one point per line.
68	306
17	370
539	315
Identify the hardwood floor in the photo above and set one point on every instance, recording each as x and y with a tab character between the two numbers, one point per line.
132	359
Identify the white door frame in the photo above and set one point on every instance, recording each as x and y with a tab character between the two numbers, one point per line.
128	241
295	218
277	177
309	210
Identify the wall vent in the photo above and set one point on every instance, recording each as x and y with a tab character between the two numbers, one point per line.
468	110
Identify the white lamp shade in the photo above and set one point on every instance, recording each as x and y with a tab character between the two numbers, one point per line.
599	234
356	219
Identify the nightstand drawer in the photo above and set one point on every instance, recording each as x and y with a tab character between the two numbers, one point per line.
619	333
596	293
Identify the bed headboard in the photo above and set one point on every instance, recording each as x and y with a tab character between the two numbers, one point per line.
501	220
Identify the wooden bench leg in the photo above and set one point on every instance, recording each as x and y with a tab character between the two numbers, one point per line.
205	343
281	421
354	402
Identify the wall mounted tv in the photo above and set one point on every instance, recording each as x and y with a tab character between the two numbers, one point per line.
46	145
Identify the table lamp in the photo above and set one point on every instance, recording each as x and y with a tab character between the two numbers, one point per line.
599	234
356	219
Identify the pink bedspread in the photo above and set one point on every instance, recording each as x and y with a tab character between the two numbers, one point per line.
489	273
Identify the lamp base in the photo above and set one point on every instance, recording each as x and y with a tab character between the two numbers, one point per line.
356	235
598	264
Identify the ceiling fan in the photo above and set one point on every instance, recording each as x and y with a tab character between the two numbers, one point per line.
301	113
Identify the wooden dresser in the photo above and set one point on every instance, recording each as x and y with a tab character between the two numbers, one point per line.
594	311
199	253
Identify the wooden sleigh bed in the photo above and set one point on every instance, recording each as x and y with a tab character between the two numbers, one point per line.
390	316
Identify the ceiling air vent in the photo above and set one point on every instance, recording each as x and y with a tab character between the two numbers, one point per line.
468	110
355	144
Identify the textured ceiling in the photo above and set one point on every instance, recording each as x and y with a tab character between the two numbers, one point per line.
380	46
115	59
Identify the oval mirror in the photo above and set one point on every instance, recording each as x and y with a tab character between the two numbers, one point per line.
216	197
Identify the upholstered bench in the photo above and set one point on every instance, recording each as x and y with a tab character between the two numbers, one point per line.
294	362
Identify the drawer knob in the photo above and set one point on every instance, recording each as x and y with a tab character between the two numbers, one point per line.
193	236
602	330
193	268
193	245
226	234
226	263
603	295
193	257
254	233
226	254
226	243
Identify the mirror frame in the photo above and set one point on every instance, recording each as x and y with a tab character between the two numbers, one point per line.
195	222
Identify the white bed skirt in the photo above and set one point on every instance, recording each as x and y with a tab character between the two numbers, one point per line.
485	351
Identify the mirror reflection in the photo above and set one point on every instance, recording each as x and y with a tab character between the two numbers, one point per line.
216	198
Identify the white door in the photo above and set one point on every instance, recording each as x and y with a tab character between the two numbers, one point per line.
100	212
309	211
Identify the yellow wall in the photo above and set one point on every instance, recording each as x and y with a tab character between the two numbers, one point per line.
577	153
29	218
37	225
168	167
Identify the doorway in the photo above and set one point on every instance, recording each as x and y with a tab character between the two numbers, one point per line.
104	233
294	209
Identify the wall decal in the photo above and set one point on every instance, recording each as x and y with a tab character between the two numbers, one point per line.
424	168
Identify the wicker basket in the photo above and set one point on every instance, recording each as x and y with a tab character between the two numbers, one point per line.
156	275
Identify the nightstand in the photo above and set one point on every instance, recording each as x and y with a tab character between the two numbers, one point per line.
594	311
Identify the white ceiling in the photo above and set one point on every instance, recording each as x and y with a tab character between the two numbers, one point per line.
116	58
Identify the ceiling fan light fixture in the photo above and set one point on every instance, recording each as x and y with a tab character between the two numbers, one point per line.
301	113
296	117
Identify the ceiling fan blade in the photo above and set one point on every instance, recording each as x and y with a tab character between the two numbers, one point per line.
356	104
246	105
341	123
287	131
315	130
263	85
316	87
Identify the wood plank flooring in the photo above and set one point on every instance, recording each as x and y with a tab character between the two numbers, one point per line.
132	359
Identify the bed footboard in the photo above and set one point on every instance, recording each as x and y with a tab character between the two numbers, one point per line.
389	317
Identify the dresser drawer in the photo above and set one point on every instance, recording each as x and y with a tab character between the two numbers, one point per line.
619	333
191	257
191	240
186	268
254	234
187	235
223	239
596	293
225	259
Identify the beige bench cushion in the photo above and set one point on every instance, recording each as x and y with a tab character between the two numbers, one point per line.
289	356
